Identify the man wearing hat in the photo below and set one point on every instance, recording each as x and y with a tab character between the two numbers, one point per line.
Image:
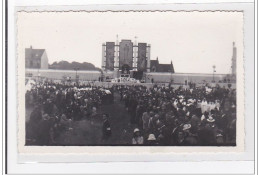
151	140
189	138
206	133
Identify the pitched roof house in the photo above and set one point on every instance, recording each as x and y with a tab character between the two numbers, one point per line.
36	58
157	67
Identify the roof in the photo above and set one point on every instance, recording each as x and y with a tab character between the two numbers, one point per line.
33	53
126	40
61	71
154	62
165	68
161	67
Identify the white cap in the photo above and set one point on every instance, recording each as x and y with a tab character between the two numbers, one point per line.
136	130
151	137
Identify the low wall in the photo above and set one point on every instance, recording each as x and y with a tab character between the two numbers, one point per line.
181	78
60	74
161	78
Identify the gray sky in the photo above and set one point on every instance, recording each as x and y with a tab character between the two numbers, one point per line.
194	41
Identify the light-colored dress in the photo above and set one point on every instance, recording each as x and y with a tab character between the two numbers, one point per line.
204	106
138	140
145	119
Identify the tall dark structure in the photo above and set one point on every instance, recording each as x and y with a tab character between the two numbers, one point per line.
130	59
141	58
126	54
110	55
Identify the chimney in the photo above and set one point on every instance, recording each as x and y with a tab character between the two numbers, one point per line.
171	62
30	47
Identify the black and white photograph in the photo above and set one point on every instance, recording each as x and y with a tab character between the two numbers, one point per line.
130	78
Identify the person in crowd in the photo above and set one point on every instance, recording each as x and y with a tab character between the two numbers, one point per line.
137	138
44	130
145	119
180	139
189	138
206	133
151	140
106	130
33	124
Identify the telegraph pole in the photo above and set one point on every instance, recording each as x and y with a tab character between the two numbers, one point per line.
76	69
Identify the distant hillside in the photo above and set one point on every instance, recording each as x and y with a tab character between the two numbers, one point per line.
65	65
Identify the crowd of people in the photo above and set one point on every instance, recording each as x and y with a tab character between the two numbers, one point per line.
56	106
161	115
183	116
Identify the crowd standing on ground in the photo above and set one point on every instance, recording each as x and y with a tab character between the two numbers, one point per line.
183	116
56	106
161	115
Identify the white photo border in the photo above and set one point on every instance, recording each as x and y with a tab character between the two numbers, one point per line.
247	155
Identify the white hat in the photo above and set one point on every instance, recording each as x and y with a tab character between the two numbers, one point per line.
151	137
210	119
186	127
219	135
136	130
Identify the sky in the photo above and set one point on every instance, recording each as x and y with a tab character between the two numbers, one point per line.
193	41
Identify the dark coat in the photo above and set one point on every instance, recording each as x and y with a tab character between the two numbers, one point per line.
106	129
206	136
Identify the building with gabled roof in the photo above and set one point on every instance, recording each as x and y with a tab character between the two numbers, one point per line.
157	67
36	58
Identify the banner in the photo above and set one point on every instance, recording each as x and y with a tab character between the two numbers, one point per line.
126	53
110	55
141	62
